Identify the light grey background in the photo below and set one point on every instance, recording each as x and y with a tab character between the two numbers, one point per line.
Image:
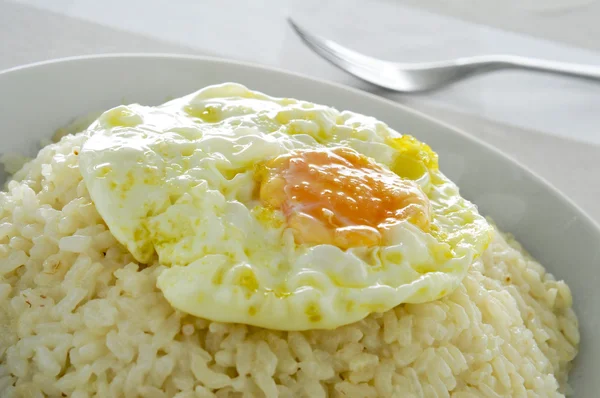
549	124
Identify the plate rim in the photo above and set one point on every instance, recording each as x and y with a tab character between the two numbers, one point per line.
355	91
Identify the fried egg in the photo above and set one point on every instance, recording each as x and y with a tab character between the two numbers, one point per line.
276	212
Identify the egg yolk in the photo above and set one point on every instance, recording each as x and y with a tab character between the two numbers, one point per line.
340	197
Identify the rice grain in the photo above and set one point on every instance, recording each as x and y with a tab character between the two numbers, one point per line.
79	317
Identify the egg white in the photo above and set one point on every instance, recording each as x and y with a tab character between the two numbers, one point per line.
179	180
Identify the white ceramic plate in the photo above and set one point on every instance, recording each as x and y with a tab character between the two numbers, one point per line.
37	99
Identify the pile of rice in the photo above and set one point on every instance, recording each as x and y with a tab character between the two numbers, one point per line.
79	317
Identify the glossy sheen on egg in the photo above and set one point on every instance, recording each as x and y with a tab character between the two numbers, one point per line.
338	196
276	212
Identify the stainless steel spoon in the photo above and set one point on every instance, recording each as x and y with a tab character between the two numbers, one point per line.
414	77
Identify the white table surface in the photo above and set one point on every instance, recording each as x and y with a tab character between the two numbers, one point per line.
552	125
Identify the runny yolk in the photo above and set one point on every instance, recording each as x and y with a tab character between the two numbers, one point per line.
338	196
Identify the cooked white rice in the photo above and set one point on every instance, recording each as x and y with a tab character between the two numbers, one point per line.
79	317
